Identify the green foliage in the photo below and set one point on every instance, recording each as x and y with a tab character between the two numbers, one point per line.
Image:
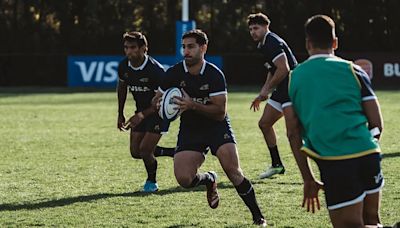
64	163
95	26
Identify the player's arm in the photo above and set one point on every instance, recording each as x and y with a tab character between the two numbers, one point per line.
122	89
282	70
214	109
311	185
370	103
255	104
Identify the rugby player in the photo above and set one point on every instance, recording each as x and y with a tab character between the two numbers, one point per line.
205	125
141	74
334	110
279	60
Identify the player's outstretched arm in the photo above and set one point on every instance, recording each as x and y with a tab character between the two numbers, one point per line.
311	185
373	112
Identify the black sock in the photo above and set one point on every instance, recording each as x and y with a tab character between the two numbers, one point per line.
276	160
201	179
246	192
162	151
151	171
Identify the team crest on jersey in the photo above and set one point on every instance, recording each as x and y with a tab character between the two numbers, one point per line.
204	87
266	64
144	79
182	84
226	136
157	127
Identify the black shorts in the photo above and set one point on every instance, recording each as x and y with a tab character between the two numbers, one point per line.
347	182
154	124
204	139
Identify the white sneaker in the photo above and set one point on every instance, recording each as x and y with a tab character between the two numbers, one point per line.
272	171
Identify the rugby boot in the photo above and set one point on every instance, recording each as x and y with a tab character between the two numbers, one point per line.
212	192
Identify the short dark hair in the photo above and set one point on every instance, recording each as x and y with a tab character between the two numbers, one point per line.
137	37
200	36
320	30
258	18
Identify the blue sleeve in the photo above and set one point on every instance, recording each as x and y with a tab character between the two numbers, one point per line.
218	84
274	48
367	93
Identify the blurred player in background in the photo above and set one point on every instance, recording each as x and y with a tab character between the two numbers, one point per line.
279	60
333	116
141	74
205	125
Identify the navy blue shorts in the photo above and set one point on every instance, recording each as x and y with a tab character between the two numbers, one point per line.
154	124
204	139
347	182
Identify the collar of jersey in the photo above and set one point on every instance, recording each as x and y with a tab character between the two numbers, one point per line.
146	58
201	70
321	56
265	38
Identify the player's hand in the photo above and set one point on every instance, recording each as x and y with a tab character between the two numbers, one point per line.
310	198
134	121
156	102
185	102
120	122
255	104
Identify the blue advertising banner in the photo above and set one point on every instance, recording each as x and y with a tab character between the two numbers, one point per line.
102	71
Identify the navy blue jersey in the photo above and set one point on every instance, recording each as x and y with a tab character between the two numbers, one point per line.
273	47
367	93
142	81
210	82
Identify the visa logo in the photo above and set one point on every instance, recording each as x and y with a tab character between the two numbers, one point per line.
98	71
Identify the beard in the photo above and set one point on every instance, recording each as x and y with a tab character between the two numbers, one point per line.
191	61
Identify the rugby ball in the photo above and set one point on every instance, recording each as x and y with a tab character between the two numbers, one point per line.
168	109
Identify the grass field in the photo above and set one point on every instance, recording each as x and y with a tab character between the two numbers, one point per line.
64	163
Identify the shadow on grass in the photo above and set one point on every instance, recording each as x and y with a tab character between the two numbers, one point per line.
99	196
391	155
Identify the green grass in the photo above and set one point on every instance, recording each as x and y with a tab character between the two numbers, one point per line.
64	163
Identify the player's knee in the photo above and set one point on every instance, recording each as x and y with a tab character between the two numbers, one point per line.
135	153
184	180
262	124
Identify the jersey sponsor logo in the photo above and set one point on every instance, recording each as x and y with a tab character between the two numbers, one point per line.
391	69
201	100
144	80
138	88
204	87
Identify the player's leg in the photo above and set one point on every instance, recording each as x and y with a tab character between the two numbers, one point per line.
371	209
146	148
186	165
348	217
135	139
373	183
164	151
229	159
271	115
